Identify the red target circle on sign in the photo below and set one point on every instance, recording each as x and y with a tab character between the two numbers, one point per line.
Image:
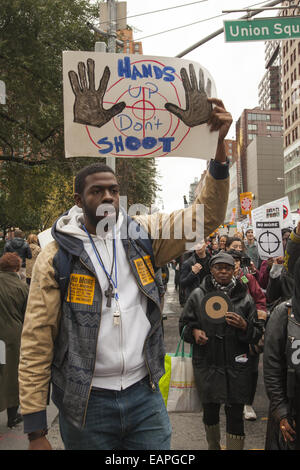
142	113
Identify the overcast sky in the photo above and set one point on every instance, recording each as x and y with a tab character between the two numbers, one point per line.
237	68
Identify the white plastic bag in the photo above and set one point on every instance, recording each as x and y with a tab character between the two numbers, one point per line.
182	393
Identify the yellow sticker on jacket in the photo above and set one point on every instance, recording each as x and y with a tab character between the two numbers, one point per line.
81	289
143	271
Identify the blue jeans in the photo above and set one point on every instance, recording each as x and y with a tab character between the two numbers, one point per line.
132	419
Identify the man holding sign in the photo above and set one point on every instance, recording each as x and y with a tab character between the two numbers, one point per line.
101	342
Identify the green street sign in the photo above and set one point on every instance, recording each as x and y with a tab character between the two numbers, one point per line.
262	29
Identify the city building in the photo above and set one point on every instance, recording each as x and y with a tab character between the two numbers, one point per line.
252	124
192	191
269	93
265	169
269	89
130	46
290	57
124	32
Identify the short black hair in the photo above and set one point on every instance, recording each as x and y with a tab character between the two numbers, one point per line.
231	240
89	170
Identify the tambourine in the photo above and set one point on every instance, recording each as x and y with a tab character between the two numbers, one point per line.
215	305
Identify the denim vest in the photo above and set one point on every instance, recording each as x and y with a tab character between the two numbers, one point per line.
75	346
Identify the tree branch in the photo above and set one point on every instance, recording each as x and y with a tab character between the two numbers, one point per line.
13	159
28	130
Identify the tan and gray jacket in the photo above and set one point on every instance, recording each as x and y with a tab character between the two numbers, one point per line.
45	341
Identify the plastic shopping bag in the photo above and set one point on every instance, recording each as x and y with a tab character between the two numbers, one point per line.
177	385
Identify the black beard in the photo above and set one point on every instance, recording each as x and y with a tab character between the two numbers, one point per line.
94	219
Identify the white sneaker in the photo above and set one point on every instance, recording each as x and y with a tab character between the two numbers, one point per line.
249	413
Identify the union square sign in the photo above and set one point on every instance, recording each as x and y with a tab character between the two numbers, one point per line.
262	29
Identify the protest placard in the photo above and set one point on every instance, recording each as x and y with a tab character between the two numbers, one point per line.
136	106
269	239
278	209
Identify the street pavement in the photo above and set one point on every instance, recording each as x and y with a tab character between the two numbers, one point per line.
188	429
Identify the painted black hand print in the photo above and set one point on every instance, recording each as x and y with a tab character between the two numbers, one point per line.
198	109
88	106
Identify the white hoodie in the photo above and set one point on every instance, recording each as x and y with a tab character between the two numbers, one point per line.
119	359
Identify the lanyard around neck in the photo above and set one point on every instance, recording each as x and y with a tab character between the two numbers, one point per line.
109	276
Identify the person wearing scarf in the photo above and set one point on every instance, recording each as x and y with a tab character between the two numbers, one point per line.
221	350
282	371
261	305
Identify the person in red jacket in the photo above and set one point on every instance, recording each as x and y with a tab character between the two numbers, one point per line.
261	305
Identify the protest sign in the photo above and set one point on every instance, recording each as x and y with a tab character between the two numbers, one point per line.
242	226
233	215
269	239
45	237
278	209
136	106
246	202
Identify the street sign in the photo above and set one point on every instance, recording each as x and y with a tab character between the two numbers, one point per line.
262	29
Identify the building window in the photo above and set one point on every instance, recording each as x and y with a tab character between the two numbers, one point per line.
252	127
258	117
251	136
274	128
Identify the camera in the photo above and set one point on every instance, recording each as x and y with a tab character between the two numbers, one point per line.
245	261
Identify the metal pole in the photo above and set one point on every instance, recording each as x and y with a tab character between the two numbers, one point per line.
112	33
100	46
219	31
111	47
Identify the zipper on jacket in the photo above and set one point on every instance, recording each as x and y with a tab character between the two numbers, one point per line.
100	313
155	326
120	328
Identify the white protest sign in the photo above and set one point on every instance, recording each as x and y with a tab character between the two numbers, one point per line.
274	210
295	219
45	237
136	106
269	239
243	225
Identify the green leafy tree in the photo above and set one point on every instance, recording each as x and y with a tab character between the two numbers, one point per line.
33	34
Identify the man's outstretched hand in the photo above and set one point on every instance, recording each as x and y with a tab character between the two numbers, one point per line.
198	108
88	106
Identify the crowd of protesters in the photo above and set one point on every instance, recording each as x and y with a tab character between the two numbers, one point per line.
226	368
264	295
16	263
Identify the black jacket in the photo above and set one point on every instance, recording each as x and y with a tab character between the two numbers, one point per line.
280	287
19	246
190	281
221	368
281	375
